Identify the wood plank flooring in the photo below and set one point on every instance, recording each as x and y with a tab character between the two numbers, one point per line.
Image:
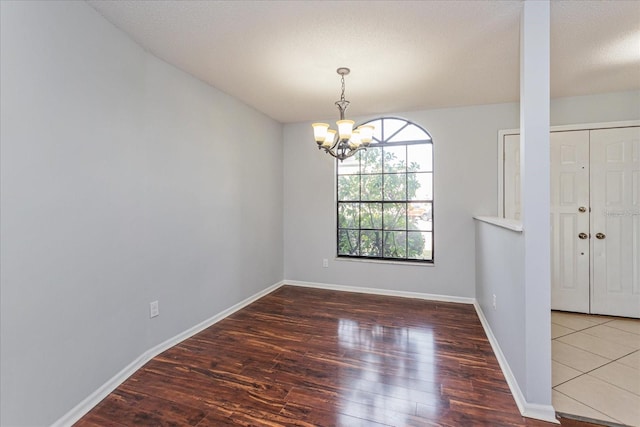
311	357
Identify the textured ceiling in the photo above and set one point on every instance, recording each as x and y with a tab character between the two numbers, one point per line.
280	56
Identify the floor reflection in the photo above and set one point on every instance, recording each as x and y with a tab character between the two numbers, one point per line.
396	369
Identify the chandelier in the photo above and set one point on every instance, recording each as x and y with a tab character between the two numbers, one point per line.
348	141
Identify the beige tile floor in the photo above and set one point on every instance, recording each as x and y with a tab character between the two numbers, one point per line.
596	367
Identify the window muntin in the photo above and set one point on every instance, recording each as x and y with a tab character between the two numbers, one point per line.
385	196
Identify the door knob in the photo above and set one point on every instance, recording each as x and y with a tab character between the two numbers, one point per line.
600	236
582	209
583	236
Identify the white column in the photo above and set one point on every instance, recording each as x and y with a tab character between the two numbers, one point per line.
535	181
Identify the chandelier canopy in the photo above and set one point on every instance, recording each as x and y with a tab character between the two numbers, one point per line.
346	141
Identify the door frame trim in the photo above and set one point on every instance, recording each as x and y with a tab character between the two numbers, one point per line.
561	128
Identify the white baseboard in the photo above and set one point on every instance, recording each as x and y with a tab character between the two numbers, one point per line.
541	412
386	292
94	398
529	410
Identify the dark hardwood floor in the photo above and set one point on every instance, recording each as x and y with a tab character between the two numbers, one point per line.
310	357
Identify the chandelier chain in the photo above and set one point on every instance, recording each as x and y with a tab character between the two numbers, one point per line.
342	96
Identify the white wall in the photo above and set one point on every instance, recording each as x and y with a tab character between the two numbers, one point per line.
465	165
123	180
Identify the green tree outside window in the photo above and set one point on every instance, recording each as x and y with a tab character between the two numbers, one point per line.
385	195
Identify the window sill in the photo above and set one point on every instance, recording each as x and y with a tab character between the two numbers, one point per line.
385	262
509	224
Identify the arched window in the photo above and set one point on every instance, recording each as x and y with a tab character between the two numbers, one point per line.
385	195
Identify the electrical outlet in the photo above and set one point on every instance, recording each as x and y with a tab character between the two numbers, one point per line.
325	263
154	309
495	304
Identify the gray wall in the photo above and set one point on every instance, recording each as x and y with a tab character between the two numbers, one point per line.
500	272
465	165
123	180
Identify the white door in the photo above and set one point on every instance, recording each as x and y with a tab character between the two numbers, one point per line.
570	221
615	221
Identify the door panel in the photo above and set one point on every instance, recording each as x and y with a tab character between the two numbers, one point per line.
511	176
570	193
615	196
598	170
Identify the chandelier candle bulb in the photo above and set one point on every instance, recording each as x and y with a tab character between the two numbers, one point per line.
354	142
366	134
345	128
329	139
320	131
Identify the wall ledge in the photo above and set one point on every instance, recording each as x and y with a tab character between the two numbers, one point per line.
509	224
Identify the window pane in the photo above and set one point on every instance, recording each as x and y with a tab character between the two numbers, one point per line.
348	242
395	186
349	187
420	158
419	245
410	133
377	129
395	216
348	215
395	159
350	165
372	187
371	215
384	195
419	216
371	160
391	126
370	243
420	186
395	244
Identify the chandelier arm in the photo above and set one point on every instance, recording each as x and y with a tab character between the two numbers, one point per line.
352	153
329	151
343	153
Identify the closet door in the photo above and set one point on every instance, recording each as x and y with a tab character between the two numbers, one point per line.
615	221
570	221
